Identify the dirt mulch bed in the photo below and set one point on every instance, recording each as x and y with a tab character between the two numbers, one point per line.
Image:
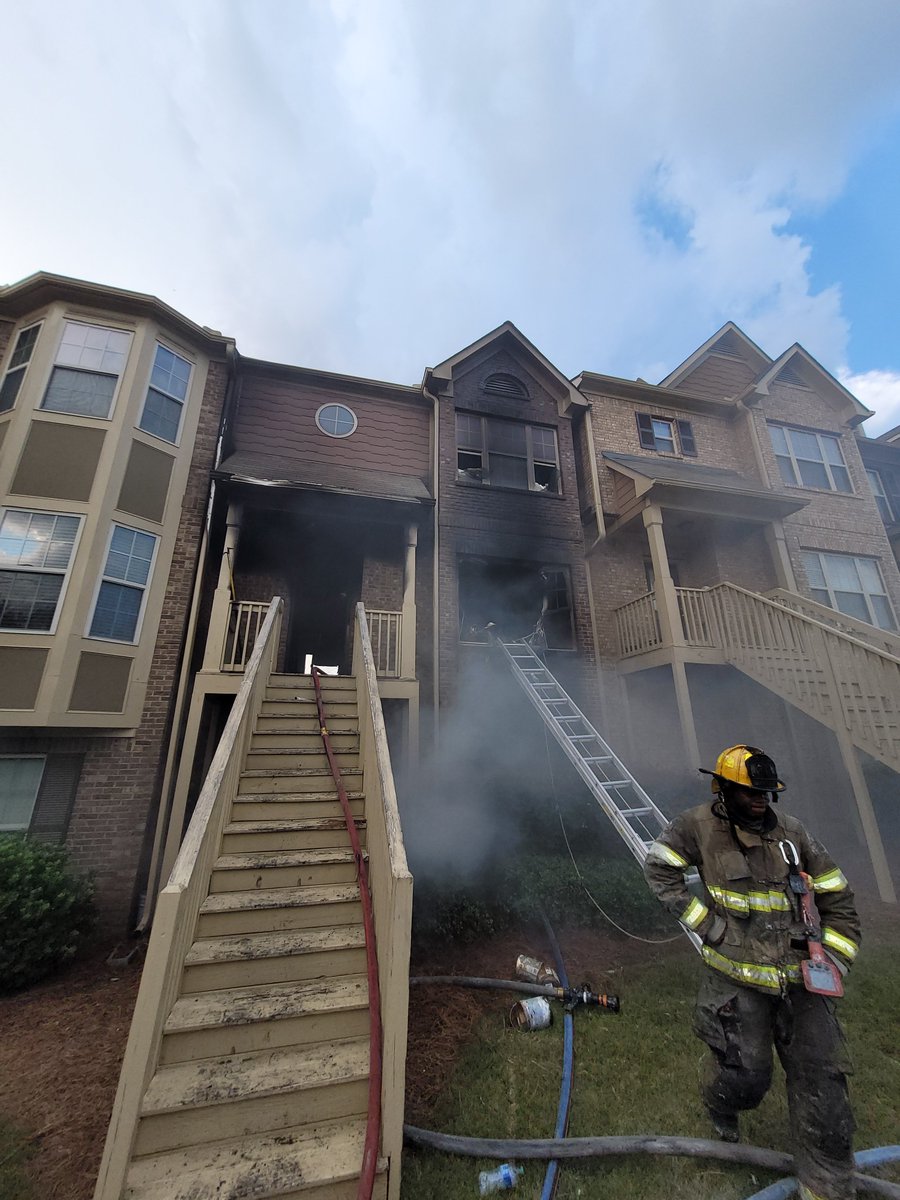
60	1055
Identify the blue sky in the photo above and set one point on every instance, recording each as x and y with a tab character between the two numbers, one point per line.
367	186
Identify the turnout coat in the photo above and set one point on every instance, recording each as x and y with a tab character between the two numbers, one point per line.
744	908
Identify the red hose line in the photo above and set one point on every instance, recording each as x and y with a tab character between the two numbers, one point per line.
373	1120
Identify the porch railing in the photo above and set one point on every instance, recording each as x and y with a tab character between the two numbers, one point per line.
244	623
384	631
839	680
391	885
175	918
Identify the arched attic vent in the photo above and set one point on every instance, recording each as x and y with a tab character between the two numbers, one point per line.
503	384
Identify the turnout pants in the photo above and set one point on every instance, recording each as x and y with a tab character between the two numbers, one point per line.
740	1026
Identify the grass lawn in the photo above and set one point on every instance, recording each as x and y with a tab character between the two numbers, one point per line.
636	1073
14	1153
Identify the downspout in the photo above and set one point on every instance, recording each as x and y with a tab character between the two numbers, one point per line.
436	554
187	653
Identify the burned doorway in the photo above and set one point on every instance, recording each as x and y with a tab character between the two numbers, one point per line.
517	598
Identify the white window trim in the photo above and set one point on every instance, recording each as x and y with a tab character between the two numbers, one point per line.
880	493
103	578
37	791
184	403
24	366
829	588
337	404
818	435
45	571
56	412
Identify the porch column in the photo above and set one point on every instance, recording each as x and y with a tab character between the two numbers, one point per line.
671	628
784	571
224	593
408	618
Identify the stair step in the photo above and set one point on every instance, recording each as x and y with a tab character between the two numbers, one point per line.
278	909
326	682
299	706
271	806
304	833
240	1020
252	959
309	779
293	736
322	1160
289	757
187	1104
282	870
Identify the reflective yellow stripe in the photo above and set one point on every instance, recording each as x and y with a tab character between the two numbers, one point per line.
836	941
758	901
695	913
666	854
736	901
831	881
751	973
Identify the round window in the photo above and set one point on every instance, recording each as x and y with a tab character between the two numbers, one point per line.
337	420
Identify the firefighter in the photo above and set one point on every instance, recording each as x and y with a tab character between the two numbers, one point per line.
747	914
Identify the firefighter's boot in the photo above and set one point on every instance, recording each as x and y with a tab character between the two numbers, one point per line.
725	1125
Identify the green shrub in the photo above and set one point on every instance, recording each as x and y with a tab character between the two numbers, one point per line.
46	909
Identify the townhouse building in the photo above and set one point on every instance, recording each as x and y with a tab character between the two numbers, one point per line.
708	559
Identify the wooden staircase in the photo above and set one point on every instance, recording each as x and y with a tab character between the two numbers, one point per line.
262	1077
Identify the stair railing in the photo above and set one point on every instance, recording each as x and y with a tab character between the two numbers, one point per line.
391	887
177	908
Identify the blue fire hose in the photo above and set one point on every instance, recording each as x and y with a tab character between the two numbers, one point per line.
565	1091
864	1158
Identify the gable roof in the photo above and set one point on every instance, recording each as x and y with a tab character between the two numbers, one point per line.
508	337
800	362
730	340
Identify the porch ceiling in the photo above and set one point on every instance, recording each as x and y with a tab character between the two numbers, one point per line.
691	487
273	471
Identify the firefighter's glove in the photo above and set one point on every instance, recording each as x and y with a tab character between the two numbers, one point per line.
836	959
715	932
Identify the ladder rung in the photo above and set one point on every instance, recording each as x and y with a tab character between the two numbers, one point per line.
614	782
582	737
572	718
634	812
599	758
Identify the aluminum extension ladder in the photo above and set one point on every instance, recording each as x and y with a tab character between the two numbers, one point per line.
633	814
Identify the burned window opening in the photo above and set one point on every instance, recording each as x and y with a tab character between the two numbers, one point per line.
515	600
506	454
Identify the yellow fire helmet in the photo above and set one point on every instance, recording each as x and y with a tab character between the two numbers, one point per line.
747	766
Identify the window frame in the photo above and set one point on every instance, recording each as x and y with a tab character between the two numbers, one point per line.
66	573
684	444
880	495
112	579
151	387
20	369
830	589
794	461
117	375
484	453
42	758
346	408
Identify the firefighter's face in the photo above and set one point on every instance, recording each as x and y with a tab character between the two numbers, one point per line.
749	802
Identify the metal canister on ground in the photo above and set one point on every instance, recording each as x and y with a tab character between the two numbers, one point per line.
533	1013
535	971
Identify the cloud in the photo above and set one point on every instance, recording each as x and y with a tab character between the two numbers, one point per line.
880	391
367	187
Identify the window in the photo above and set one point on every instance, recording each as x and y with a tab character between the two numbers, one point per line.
20	781
166	394
881	497
808	459
120	599
852	585
89	362
336	420
18	364
507	454
665	436
35	552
